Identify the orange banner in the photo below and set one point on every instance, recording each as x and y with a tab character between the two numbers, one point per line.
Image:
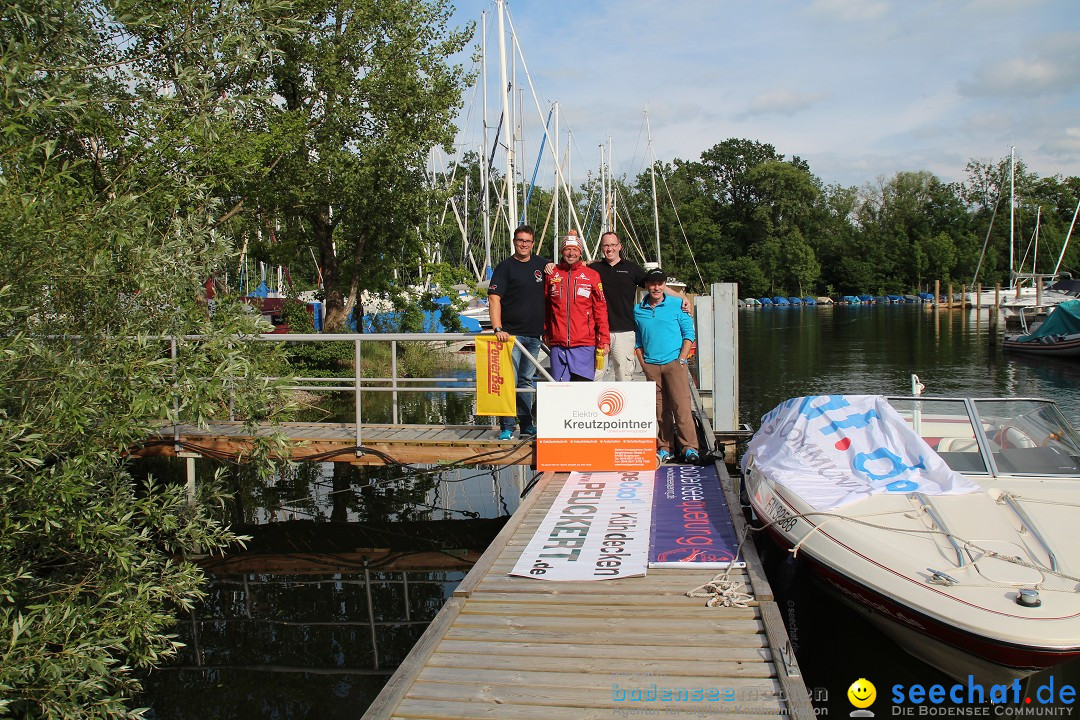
495	380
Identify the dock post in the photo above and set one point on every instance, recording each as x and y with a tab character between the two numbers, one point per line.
963	296
978	306
994	312
189	487
703	320
937	292
725	349
393	380
950	297
176	398
356	393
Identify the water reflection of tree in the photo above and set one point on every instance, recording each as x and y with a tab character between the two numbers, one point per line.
381	493
296	645
336	492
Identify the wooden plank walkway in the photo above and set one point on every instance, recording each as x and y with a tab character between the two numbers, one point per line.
514	647
336	442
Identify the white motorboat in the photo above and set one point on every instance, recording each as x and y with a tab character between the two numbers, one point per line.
953	525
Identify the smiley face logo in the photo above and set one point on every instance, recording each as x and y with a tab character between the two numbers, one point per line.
862	693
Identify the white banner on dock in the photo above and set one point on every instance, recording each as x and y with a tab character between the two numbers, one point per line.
597	529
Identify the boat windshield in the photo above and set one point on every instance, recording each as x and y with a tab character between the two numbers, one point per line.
1013	437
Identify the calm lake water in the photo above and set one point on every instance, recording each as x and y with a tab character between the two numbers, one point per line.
321	643
875	349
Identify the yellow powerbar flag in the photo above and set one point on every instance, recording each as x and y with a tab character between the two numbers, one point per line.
495	380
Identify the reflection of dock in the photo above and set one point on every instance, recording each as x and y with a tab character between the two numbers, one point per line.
518	647
304	547
336	442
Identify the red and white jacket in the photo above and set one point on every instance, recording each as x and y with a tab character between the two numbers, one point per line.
576	308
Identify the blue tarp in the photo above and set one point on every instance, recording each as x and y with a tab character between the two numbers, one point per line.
391	322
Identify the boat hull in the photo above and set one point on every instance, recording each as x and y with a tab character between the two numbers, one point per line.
1066	348
956	653
934	640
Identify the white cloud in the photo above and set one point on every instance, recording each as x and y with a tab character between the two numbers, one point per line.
858	88
1051	66
782	102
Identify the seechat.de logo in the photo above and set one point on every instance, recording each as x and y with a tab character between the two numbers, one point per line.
610	402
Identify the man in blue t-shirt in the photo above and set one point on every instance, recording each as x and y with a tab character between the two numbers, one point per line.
516	307
664	336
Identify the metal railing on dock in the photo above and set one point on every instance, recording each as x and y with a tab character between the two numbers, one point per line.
395	384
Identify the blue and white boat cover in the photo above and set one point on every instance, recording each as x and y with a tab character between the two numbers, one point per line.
833	450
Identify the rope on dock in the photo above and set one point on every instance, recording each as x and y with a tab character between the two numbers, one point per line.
722	592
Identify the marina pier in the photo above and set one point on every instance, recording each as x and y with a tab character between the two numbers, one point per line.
517	647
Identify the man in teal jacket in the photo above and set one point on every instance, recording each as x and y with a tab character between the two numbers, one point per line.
664	335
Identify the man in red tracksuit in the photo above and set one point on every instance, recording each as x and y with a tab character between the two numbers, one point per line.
576	322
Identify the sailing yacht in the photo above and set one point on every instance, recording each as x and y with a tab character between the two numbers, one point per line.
1040	293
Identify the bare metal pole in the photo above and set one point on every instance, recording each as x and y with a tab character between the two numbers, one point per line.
356	395
604	227
511	195
1012	211
1069	235
486	214
652	172
555	196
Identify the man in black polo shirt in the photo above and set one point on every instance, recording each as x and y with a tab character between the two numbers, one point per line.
516	307
621	279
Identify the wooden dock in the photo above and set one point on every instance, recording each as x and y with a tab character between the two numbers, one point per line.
336	442
516	647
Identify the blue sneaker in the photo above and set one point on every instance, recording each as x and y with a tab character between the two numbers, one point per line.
529	430
691	457
507	434
662	456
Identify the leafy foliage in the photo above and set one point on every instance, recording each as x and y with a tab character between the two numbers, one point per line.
110	226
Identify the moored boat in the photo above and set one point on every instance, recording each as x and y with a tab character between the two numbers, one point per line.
953	525
1057	336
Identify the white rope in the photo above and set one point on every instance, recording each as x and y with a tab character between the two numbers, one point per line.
722	592
968	544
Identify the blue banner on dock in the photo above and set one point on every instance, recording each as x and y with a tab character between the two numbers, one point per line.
691	525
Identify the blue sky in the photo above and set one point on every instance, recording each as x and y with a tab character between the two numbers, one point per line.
860	89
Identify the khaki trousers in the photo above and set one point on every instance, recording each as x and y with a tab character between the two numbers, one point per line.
674	407
620	360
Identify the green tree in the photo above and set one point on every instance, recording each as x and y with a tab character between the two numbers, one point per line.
365	91
110	227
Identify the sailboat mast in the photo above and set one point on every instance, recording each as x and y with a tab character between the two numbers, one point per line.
1069	235
611	189
1035	254
1012	212
652	171
558	183
603	195
484	179
569	182
511	194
